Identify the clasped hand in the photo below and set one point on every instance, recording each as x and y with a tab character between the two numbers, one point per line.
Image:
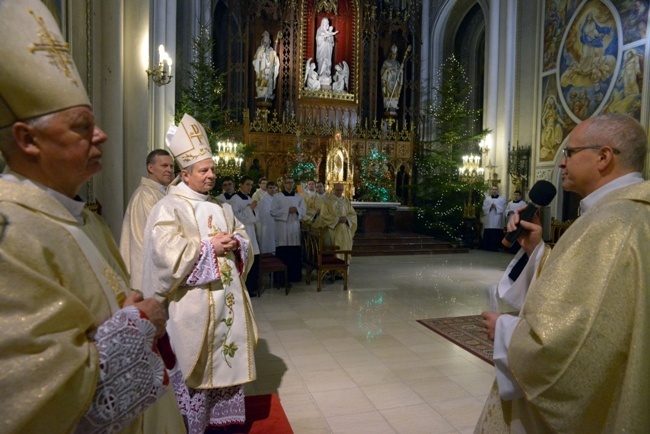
150	307
224	243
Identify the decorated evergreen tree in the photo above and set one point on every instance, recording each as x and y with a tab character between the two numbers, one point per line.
441	195
376	183
304	158
201	91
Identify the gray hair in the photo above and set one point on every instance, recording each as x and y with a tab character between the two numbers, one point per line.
621	132
7	137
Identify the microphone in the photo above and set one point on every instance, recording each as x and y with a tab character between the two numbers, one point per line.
541	194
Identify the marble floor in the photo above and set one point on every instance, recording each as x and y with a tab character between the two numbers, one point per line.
358	362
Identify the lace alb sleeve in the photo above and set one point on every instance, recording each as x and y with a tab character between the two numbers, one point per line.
131	375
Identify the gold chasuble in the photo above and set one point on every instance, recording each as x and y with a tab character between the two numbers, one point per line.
581	351
148	193
51	305
211	326
339	234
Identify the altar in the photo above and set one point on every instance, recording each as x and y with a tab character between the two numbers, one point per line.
374	217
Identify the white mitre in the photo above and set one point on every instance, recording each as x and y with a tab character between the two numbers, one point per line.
37	73
188	143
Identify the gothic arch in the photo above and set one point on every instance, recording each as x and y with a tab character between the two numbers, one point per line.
447	30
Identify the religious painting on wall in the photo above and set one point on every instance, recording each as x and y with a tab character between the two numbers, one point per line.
329	41
557	14
589	57
634	19
593	62
553	120
628	86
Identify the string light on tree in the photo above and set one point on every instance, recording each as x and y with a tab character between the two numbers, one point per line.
376	181
442	190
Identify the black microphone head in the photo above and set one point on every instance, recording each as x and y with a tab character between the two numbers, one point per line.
542	193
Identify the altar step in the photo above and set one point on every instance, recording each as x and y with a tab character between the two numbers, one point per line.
400	243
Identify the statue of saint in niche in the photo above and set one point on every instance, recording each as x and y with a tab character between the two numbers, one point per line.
324	49
392	77
267	68
341	77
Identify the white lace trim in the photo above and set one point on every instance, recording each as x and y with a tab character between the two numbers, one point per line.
206	269
131	374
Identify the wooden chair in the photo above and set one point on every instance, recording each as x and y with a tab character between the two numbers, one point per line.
317	256
270	264
558	227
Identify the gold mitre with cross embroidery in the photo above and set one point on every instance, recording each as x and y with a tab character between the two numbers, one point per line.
37	73
189	144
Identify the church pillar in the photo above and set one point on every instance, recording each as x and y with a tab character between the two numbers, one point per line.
500	83
108	100
162	98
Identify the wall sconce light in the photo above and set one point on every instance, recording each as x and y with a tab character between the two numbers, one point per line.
484	145
162	73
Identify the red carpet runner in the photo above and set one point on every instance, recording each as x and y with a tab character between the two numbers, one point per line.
264	415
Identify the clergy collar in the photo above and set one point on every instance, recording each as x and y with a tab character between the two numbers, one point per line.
589	201
495	197
191	194
516	201
293	193
228	195
74	206
243	195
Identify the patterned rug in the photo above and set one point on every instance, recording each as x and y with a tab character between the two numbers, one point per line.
465	331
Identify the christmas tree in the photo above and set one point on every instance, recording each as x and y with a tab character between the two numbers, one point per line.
376	183
441	195
201	92
201	89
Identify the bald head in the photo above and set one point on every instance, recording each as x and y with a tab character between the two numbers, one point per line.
620	132
337	189
600	150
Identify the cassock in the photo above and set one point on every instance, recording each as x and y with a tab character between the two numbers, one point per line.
67	346
148	193
244	213
339	234
287	231
580	351
493	207
512	208
211	324
266	235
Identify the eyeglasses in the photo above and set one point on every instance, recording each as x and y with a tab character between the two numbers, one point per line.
568	152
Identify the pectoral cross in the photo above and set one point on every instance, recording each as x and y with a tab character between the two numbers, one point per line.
57	51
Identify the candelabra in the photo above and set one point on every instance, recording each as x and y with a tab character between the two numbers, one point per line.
470	172
161	74
226	159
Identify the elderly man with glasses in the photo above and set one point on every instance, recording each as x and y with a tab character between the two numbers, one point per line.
575	359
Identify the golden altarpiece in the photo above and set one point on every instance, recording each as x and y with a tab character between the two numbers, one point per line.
329	88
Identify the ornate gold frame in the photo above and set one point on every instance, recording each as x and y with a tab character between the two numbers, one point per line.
356	48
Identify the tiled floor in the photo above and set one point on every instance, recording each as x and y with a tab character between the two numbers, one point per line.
358	362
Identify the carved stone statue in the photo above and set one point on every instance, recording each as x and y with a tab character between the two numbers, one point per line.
392	77
341	77
267	68
311	76
325	48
